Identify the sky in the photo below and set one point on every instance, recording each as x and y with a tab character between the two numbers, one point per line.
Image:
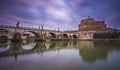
62	14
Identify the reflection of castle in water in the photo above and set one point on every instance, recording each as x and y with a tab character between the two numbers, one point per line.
98	50
92	54
90	51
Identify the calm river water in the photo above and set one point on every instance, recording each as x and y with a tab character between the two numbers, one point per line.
60	55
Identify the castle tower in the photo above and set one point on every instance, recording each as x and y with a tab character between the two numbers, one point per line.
91	24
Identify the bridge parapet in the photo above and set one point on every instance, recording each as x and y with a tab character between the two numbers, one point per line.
26	28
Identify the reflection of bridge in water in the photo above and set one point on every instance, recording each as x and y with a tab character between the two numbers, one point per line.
90	51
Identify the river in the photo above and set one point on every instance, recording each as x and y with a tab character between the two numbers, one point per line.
60	55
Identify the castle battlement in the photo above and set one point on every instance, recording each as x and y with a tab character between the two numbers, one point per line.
91	24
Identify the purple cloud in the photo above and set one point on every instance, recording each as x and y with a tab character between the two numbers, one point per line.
63	14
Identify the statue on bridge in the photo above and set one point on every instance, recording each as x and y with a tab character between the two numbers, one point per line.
17	25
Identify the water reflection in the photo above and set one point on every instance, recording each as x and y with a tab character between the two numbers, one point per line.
89	51
29	46
97	50
4	48
48	44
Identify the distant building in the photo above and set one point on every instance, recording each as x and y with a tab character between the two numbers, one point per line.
91	24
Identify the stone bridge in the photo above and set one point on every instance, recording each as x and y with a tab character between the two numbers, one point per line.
11	32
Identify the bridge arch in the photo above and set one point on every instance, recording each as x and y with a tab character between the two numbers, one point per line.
6	31
28	33
3	30
74	36
34	33
65	36
3	37
53	35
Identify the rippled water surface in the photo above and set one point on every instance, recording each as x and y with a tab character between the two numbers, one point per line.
60	55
